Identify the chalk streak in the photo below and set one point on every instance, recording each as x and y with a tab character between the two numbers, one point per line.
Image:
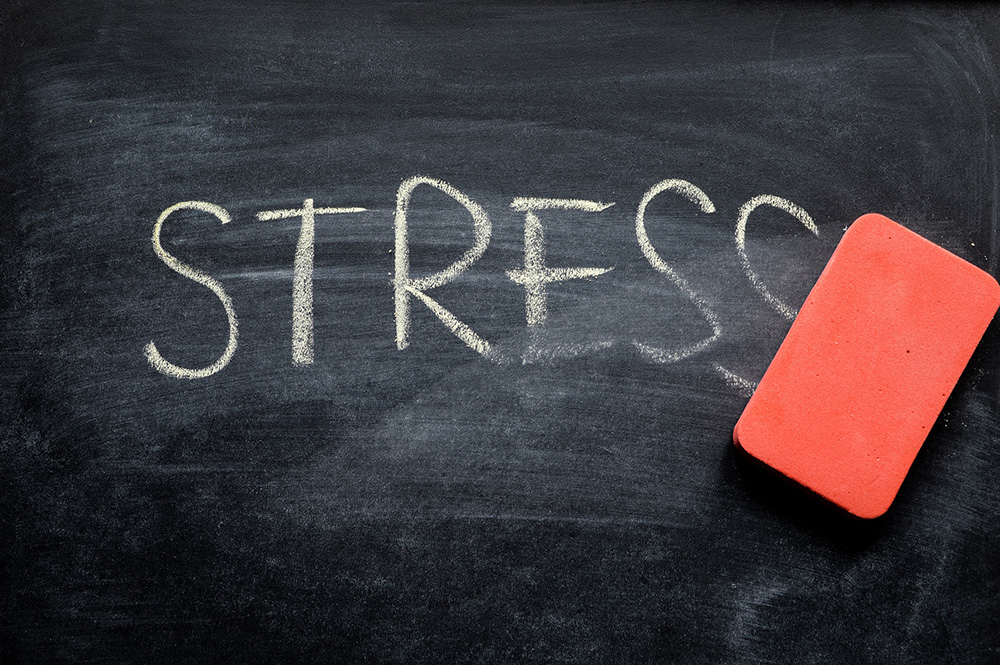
527	203
743	386
268	215
459	329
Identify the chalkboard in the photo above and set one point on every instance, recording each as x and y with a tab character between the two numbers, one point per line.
416	333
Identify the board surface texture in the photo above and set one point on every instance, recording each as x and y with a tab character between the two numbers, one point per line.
417	332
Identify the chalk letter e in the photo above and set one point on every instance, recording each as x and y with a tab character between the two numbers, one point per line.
536	275
152	354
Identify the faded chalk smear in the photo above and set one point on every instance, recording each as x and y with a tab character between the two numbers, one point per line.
537	353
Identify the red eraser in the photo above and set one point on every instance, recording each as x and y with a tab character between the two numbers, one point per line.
868	365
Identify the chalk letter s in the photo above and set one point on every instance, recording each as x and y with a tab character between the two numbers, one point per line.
152	354
693	194
792	209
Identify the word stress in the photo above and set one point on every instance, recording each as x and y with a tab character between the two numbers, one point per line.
534	276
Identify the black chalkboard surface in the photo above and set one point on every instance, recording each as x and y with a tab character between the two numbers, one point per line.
325	343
